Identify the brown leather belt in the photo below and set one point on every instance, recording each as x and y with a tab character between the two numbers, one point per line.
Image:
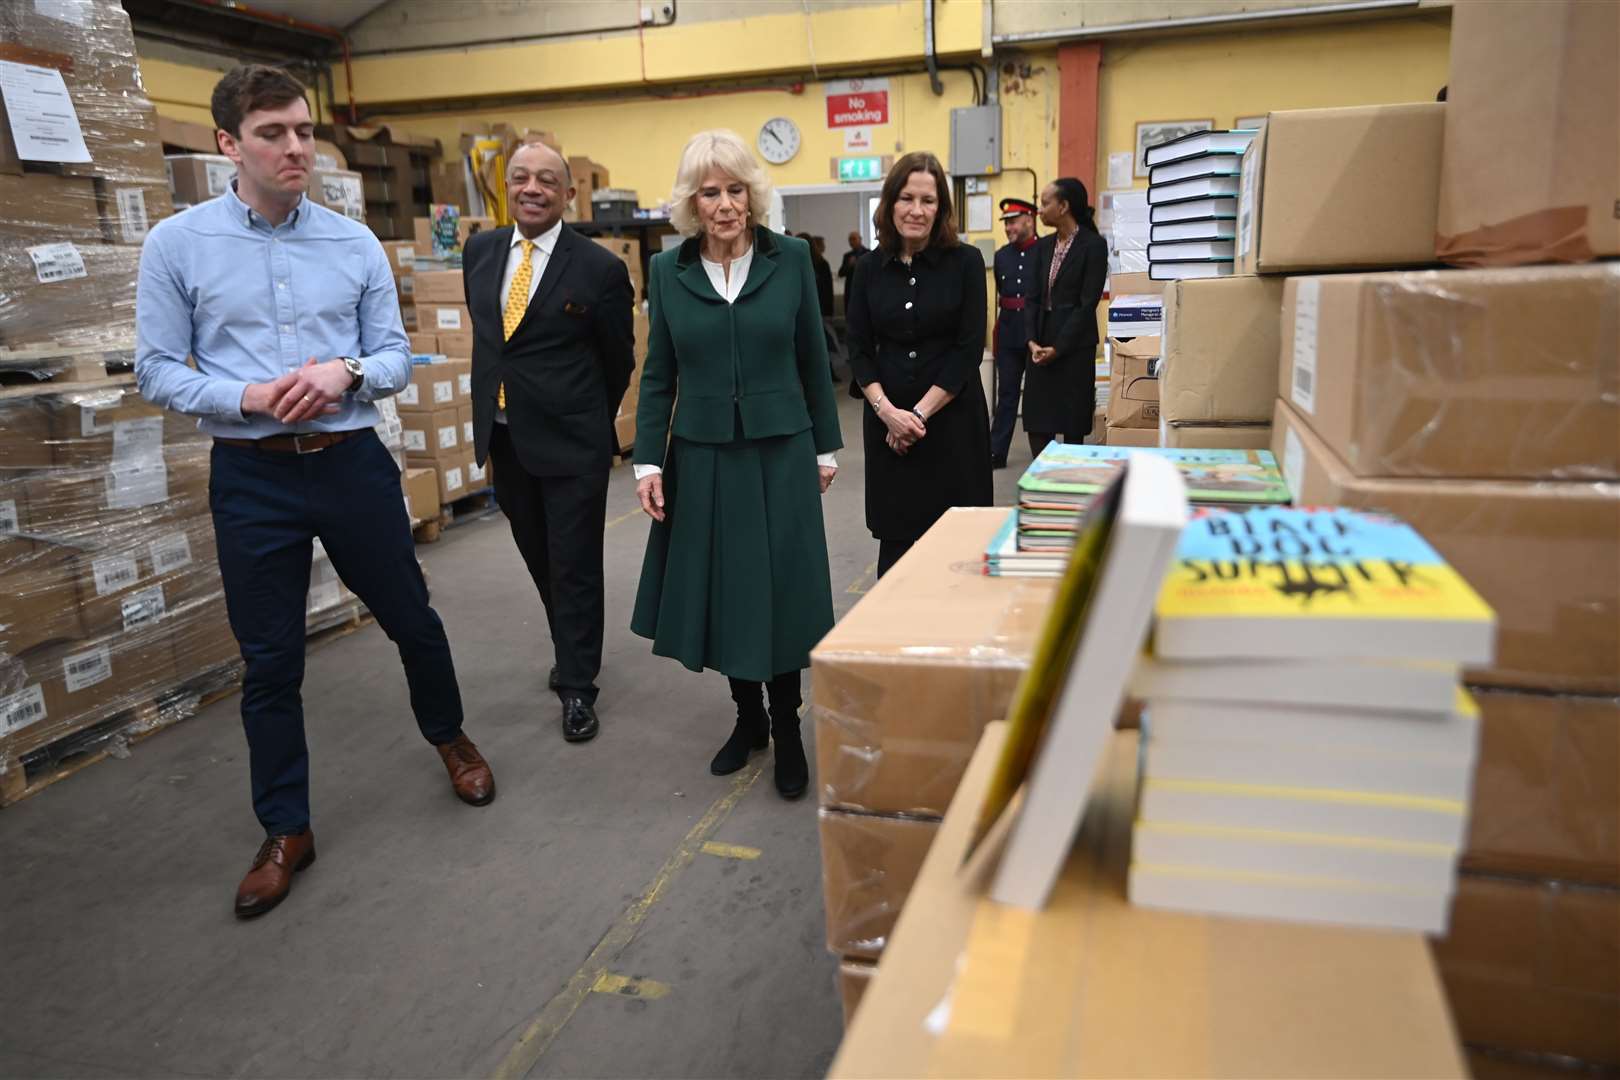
1012	303
308	443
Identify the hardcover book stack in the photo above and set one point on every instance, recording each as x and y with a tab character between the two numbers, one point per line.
1060	485
1193	192
1309	750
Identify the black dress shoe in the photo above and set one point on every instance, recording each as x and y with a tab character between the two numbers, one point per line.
579	720
551	680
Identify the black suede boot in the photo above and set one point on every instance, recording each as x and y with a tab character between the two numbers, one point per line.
751	733
792	771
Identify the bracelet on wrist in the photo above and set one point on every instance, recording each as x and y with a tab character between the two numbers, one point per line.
923	419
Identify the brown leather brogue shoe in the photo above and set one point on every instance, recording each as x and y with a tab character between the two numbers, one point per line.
270	879
470	774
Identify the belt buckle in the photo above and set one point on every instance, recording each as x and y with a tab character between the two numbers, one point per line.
298	443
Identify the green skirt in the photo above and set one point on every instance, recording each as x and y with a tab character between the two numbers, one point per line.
735	577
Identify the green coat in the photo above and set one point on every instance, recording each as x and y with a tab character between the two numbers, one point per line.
732	355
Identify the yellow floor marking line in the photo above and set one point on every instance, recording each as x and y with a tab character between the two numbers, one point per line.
863	581
729	851
629	986
544	1028
637	512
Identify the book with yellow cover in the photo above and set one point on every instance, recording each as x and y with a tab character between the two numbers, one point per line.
1316	583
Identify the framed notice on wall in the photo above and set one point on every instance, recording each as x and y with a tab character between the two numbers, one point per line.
1153	132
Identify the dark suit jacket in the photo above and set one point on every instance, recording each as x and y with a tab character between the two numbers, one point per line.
1060	395
752	369
569	362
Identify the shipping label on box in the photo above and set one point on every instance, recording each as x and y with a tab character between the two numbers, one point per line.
432	386
22	709
438	318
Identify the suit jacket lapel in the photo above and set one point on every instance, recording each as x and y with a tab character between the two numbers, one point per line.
763	264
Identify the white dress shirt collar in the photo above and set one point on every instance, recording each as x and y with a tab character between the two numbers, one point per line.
546	241
729	287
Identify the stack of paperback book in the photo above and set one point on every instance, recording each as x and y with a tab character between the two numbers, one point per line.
1308	751
1060	484
1193	191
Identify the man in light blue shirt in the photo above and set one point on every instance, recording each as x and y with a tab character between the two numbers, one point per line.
289	312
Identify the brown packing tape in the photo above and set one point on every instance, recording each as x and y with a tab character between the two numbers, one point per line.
1555	235
854	976
868	865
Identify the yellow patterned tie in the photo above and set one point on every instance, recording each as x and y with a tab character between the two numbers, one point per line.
517	302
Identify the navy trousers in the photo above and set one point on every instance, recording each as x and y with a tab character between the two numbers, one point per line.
268	508
1009	384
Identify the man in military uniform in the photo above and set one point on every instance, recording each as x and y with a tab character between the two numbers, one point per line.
1015	272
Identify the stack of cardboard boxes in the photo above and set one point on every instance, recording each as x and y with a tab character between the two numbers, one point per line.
1483	406
388	182
903	687
82	183
435	411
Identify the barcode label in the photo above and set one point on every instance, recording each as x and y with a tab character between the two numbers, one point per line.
114	573
132	221
409	396
466	383
220	175
8	516
1307	304
447	437
1294	463
138	484
19	710
416	439
444	391
405	256
170	553
449	318
476	473
1248	196
60	262
143	608
466	431
83	670
452	479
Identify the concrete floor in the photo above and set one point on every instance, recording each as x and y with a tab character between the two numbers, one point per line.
433	939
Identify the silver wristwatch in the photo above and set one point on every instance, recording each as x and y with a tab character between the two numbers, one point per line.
356	370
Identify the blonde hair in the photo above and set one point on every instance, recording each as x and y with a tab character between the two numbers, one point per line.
723	150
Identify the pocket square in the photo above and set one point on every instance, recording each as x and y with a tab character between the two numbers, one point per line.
571	308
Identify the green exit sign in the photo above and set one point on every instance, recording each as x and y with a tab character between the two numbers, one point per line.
860	168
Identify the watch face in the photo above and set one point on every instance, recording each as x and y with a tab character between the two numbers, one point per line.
778	140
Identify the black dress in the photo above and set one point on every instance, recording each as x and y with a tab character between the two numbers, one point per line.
912	327
1060	395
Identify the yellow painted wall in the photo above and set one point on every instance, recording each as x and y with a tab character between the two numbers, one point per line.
182	91
1223	76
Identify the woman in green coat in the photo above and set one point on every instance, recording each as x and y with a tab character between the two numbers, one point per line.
735	577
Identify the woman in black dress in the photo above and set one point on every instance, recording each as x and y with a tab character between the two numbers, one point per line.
916	312
1060	384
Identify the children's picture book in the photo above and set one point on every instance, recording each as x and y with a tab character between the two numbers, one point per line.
1068	474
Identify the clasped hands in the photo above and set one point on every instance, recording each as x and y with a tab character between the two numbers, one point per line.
905	428
314	389
1041	354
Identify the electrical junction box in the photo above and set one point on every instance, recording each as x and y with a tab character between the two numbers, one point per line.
976	141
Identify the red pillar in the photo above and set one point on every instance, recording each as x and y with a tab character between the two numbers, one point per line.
1078	64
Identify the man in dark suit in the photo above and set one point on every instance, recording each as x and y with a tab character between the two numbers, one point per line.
553	349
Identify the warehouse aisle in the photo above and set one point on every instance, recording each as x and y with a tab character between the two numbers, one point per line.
434	939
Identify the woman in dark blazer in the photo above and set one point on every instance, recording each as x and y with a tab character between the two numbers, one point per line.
916	314
735	576
1060	384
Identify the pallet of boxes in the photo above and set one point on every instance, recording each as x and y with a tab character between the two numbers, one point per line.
1480	405
112	621
902	689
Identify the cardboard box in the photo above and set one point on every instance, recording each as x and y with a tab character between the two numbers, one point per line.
1134	284
1535	967
628	252
1216	436
440	287
81	507
905	682
456	343
1531	176
75	685
407	315
109	426
1220	350
452	475
438	318
1133	394
38	599
203	639
868	864
421	487
432	437
25	430
432	387
854	976
1507	374
1084	987
464	416
195	178
71	306
624	430
129	208
479	477
1341	189
401	256
42	208
1546	799
339	191
463	372
424	344
588	177
184	135
1132	436
1541	554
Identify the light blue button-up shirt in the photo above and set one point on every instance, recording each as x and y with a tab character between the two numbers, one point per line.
251	302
